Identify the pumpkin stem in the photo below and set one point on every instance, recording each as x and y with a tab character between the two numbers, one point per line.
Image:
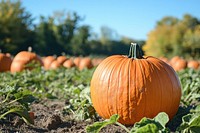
135	51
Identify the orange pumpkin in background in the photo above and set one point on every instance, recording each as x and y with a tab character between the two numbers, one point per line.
85	63
69	63
165	60
5	62
193	64
55	64
22	59
174	60
47	61
180	64
77	61
96	61
61	59
134	87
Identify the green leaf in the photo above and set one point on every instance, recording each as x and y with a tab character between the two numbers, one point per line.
143	122
195	129
195	122
97	126
187	118
152	125
21	112
149	128
162	118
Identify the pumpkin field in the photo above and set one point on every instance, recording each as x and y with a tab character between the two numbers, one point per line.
52	94
99	66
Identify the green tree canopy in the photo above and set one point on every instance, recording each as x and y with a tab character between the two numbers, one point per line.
54	34
173	36
15	27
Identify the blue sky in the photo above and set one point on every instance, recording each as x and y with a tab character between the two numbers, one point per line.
131	18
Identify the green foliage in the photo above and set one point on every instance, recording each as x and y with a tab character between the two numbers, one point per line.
190	81
173	36
15	100
97	126
191	122
19	90
157	124
55	34
16	26
145	125
70	85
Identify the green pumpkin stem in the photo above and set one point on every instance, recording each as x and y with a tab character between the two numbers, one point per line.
135	51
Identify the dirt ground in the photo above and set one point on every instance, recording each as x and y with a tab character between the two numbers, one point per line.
49	119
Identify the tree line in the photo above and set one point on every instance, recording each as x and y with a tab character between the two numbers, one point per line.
56	34
61	33
173	36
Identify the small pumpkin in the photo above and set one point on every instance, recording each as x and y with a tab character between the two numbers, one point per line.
47	61
174	60
22	59
180	64
5	62
193	64
77	60
96	61
69	63
165	60
55	64
61	59
85	63
134	86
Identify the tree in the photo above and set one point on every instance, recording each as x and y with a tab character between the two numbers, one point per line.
15	27
46	39
54	34
173	36
66	28
108	34
79	43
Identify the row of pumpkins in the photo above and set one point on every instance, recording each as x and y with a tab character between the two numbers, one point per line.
179	63
19	62
27	60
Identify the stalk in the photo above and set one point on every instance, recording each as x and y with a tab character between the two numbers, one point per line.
135	51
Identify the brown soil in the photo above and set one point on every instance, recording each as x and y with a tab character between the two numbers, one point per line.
49	119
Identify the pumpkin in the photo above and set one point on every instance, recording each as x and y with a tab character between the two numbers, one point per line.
96	61
54	65
22	59
85	63
61	59
165	60
134	86
193	64
180	64
47	61
69	63
5	62
77	61
174	60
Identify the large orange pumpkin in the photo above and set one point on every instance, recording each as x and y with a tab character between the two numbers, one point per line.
22	59
5	62
134	87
